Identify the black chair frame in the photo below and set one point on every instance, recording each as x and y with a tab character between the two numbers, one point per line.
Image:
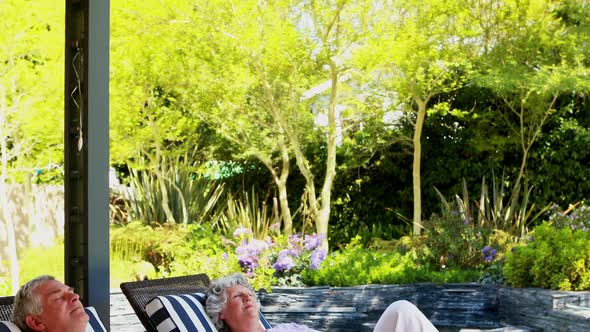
6	305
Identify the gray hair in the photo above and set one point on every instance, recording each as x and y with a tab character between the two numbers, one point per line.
28	302
217	299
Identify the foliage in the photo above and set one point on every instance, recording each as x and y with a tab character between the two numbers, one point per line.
458	243
247	212
416	65
576	217
511	214
160	58
118	207
159	245
43	260
31	88
357	266
34	262
555	258
559	166
173	191
171	250
453	242
124	270
370	200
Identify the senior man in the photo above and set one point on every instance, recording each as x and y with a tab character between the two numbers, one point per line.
47	305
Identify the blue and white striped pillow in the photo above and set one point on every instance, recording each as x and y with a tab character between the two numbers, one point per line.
185	312
182	312
94	323
6	326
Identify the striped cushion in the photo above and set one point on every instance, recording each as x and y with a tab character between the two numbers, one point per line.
94	323
185	312
8	327
179	313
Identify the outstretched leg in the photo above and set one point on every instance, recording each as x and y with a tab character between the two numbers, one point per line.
403	316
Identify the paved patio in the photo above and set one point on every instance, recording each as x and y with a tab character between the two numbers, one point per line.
123	318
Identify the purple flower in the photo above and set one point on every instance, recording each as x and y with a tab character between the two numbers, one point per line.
248	253
317	257
242	248
312	241
225	256
489	258
485	250
295	239
295	252
257	246
284	263
493	252
284	253
248	262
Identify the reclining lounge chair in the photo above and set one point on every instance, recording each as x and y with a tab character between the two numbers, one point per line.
173	304
6	304
140	293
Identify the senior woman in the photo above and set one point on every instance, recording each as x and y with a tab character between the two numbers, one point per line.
233	306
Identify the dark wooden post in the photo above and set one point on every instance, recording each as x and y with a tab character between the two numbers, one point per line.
86	148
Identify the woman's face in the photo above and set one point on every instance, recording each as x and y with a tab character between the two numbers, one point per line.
240	307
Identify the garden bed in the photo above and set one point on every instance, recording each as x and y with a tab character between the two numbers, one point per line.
448	306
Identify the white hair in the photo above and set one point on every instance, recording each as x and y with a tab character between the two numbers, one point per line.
27	301
217	299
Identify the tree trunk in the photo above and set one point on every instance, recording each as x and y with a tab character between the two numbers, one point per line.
323	217
281	182
280	179
416	183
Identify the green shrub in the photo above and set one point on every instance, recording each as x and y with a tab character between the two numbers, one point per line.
357	266
453	242
172	191
167	247
158	245
509	212
247	211
555	258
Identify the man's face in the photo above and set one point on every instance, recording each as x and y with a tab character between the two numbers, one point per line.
62	309
240	307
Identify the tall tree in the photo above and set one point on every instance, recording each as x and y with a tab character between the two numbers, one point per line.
275	70
296	54
536	59
339	28
421	49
